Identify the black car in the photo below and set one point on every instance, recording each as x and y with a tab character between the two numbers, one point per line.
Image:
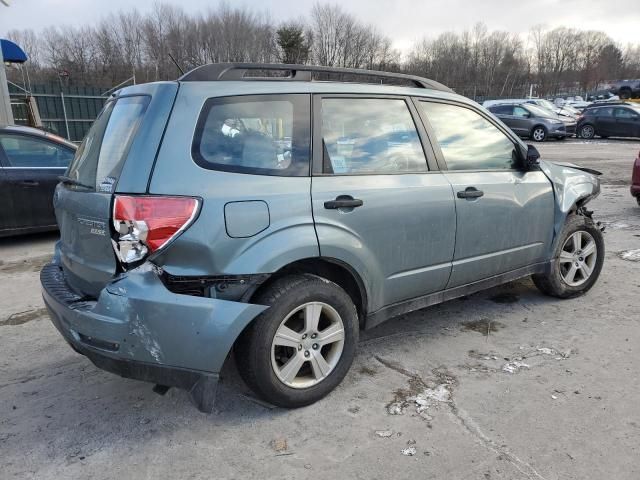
31	161
617	120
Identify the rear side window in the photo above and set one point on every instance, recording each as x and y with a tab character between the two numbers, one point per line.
468	140
625	113
257	134
370	136
100	158
502	110
23	151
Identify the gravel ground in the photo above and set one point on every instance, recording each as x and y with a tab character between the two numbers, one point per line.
517	385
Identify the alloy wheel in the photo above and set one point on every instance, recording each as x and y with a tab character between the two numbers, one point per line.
307	345
587	132
578	258
539	134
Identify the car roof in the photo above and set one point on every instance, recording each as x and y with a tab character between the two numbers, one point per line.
208	89
36	132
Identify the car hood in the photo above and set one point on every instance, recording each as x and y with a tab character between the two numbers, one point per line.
573	185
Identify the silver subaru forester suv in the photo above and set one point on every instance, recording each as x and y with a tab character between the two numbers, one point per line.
256	210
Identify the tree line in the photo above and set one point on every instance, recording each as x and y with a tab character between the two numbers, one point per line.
476	62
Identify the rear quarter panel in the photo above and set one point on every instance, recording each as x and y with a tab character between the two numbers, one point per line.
206	248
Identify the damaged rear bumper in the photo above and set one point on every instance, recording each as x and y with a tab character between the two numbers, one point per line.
138	329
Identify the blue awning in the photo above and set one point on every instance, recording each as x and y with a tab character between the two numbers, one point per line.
12	52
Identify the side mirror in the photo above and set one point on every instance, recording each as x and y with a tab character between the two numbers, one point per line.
533	157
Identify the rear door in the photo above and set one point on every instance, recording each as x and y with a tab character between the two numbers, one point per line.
505	114
33	164
376	205
504	214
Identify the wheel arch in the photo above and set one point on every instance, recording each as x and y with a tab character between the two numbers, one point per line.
546	130
331	269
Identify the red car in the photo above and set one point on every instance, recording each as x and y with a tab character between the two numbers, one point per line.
635	179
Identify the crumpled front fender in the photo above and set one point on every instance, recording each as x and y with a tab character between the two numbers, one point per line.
572	187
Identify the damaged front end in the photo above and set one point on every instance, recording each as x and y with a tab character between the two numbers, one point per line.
573	188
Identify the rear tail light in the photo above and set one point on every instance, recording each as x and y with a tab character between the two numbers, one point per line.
145	224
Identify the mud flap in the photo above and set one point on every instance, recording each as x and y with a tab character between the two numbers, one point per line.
203	393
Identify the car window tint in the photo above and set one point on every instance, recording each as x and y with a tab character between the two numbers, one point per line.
370	136
30	152
624	113
101	155
468	140
604	112
521	112
259	134
502	110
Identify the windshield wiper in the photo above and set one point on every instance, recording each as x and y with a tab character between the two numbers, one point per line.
71	181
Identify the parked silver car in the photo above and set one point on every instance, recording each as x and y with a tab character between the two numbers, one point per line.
535	122
275	218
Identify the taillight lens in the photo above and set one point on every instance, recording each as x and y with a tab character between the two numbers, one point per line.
145	224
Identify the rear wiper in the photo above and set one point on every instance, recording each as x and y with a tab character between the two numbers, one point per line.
71	181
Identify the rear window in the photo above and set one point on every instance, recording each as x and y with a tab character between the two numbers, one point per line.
256	134
101	155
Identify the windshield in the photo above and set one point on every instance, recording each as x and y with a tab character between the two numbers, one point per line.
546	104
540	112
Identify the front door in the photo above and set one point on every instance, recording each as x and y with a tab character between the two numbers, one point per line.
504	214
376	205
606	122
32	167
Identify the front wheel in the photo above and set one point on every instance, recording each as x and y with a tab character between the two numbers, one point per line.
299	349
587	132
577	260
539	134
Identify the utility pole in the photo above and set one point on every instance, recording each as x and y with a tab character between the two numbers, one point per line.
6	117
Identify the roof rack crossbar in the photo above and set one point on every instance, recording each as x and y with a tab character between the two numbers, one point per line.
304	73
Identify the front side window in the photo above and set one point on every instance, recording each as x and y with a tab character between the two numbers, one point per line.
23	151
604	112
258	134
521	112
370	136
468	140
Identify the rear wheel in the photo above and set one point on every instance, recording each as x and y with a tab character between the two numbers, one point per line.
587	132
301	348
539	134
577	260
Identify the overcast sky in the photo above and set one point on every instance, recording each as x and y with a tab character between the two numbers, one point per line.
403	20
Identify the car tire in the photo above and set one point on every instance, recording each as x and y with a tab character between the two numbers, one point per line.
587	131
538	133
280	355
638	200
576	262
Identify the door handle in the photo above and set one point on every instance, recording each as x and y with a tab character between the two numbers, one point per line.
470	193
343	201
29	183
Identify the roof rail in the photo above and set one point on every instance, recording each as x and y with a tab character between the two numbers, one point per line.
304	73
